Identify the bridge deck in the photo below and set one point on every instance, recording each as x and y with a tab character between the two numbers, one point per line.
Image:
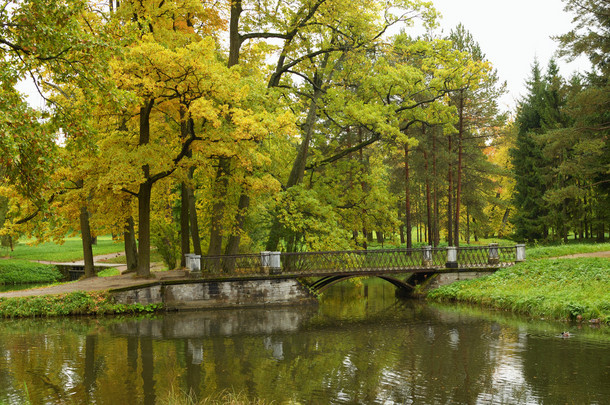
360	262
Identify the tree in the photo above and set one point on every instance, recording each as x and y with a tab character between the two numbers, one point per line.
478	116
528	163
588	108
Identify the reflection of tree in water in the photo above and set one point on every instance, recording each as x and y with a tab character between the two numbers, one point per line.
567	371
396	354
376	351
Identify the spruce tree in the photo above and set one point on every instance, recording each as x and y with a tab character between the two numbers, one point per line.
528	163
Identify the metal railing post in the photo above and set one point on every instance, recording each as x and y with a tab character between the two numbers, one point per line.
188	261
494	254
451	257
427	252
275	264
520	257
265	261
196	264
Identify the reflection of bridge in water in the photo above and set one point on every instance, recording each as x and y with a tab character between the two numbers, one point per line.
322	269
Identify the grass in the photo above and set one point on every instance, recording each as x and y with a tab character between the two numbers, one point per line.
70	250
26	272
108	272
224	397
556	288
75	303
548	251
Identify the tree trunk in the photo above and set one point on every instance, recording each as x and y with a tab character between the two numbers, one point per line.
194	223
131	248
436	232
235	237
408	200
217	215
467	225
144	229
428	200
85	230
298	167
144	194
234	37
458	196
224	163
504	221
450	196
185	243
380	237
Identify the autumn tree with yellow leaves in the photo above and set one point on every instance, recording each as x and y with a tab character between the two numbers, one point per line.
239	125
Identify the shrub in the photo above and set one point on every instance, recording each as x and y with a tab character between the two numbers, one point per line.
165	237
24	272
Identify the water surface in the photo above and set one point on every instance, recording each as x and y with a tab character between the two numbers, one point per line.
361	345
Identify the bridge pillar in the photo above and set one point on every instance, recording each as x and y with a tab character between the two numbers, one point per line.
451	257
520	253
427	252
188	260
271	262
193	262
494	254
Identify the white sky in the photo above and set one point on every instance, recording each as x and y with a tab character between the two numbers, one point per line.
511	34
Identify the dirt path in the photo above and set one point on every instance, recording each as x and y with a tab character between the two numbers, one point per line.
99	260
98	284
592	254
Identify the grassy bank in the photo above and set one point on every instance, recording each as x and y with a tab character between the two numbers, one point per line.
70	250
26	272
75	303
555	288
544	252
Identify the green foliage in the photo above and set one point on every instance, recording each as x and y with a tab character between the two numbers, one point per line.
528	163
75	303
560	288
25	272
165	237
562	157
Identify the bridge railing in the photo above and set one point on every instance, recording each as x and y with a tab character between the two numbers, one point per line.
480	256
366	261
362	260
246	264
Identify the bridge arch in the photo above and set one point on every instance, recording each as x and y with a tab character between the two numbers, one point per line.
323	283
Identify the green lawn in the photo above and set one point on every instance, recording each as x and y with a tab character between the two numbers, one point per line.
542	252
19	271
70	250
557	288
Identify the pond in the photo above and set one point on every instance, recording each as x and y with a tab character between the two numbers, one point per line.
361	345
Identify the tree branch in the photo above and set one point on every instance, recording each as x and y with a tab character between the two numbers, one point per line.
253	35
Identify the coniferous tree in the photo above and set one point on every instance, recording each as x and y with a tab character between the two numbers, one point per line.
528	163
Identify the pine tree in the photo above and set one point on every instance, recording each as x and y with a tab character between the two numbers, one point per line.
528	163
